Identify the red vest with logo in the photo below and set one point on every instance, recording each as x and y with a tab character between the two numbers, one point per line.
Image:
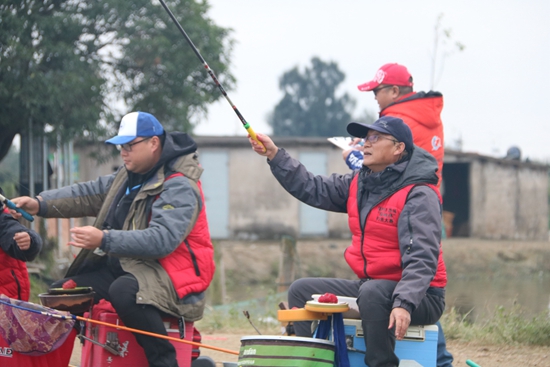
191	266
378	255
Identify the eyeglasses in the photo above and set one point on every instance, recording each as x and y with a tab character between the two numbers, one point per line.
375	91
375	137
128	146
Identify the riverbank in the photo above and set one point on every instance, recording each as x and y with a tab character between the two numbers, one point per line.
482	274
485	355
251	270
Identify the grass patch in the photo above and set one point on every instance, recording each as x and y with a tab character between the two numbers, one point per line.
231	318
37	286
504	327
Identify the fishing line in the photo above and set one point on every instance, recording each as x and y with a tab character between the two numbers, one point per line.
160	336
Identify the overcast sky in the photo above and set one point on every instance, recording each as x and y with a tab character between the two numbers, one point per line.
496	91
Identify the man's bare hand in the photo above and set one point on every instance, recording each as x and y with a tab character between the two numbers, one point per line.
355	141
23	240
346	152
270	148
87	237
28	204
401	318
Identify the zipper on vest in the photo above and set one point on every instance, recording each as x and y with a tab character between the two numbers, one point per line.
361	192
17	283
193	258
363	253
410	233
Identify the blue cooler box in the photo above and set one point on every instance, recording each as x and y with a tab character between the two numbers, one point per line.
419	344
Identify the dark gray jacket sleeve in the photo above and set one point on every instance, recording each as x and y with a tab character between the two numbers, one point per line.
419	229
322	192
78	200
8	228
173	216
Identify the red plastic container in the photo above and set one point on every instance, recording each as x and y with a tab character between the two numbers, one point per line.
59	357
94	355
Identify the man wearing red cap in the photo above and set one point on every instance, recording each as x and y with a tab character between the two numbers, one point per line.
392	86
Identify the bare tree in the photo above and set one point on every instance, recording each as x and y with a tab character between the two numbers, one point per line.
444	46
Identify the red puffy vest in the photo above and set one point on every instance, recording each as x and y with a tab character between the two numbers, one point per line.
379	256
191	266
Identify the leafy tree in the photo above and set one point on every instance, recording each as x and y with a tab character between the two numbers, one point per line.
310	106
46	77
9	172
63	62
159	72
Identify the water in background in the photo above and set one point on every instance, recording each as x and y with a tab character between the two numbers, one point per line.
482	274
475	298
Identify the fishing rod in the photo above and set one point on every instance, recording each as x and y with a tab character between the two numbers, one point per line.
246	125
80	318
10	204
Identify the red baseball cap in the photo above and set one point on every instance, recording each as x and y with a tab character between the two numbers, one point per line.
390	74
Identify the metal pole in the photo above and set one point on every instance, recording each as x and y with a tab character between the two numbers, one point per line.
70	174
31	165
45	173
59	175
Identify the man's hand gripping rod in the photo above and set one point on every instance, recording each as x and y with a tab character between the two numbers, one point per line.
212	75
11	205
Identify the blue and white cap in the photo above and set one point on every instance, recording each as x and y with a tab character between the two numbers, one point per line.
136	124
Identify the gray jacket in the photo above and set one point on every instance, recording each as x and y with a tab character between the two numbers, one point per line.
422	207
149	232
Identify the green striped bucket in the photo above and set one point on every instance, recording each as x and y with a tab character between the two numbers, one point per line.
282	351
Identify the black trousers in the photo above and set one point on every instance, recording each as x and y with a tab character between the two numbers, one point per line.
120	289
374	299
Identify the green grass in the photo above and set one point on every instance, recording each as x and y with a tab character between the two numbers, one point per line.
503	327
37	287
231	318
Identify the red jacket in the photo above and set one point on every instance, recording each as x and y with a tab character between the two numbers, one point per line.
375	253
14	277
422	113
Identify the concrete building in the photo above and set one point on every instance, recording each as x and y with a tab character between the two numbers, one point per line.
485	197
495	198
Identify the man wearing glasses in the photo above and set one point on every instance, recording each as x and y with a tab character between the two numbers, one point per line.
394	215
149	251
392	87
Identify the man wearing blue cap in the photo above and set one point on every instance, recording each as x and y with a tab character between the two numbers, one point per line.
394	211
149	251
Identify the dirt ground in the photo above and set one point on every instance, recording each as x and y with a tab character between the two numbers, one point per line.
483	355
514	258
